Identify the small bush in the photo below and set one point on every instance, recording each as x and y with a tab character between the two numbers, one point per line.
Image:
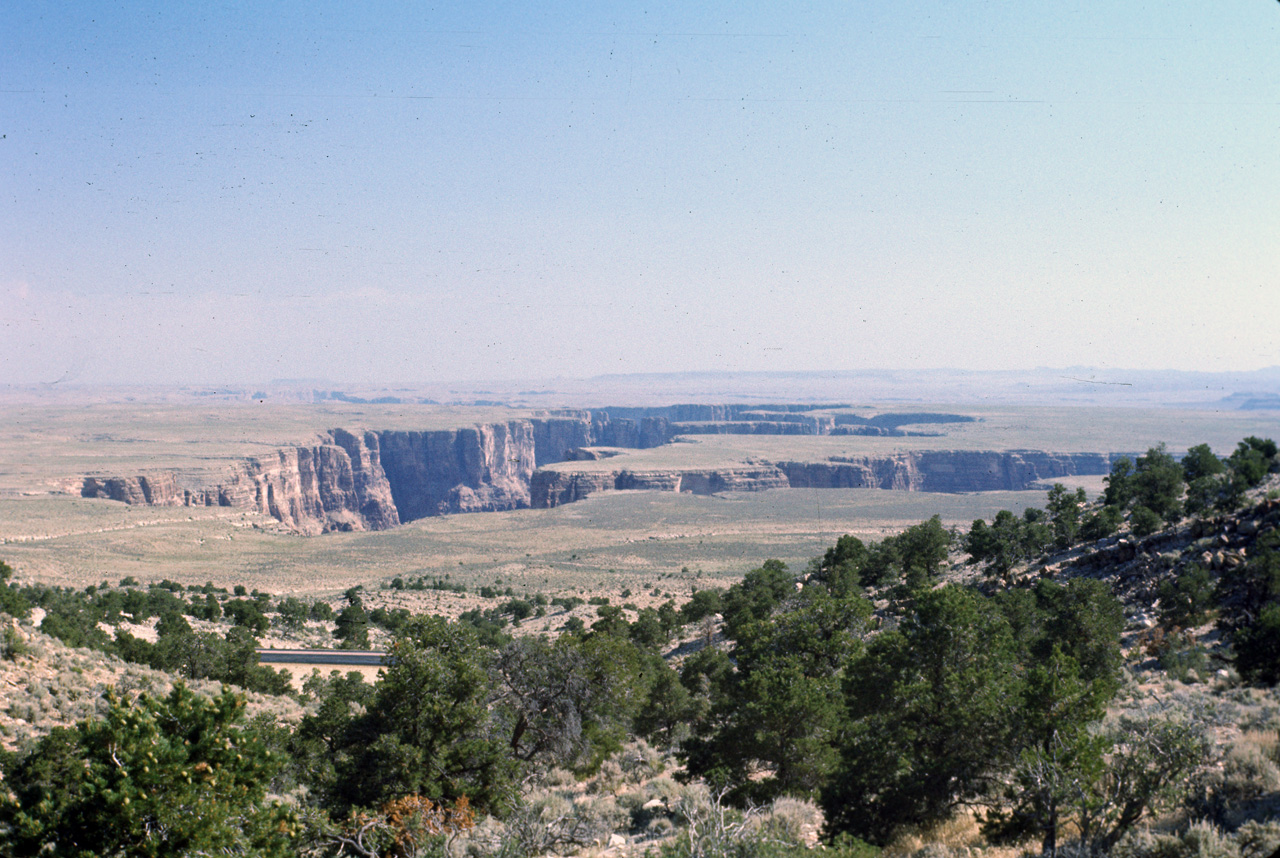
1204	840
791	820
1248	774
1200	840
1144	521
1187	664
544	823
609	779
13	644
1258	839
639	760
558	777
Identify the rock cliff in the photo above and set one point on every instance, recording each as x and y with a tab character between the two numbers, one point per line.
550	488
373	480
924	471
480	468
159	489
350	481
337	485
945	470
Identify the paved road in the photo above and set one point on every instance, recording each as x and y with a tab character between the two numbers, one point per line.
321	656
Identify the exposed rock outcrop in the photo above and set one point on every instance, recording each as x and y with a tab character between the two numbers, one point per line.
329	486
552	488
158	489
744	427
555	437
366	481
928	471
945	470
480	468
373	480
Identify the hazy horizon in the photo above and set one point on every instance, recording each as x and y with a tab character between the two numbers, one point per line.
385	194
1257	391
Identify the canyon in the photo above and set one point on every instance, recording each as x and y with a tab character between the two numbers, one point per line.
378	479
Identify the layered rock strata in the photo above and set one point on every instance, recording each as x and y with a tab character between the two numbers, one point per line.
945	470
373	480
552	488
924	471
358	481
477	469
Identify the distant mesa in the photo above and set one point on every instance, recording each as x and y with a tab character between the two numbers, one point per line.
339	396
378	479
1254	401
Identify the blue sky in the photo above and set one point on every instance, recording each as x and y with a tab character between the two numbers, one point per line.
407	193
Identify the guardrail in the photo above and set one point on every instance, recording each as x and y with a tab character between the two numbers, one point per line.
344	657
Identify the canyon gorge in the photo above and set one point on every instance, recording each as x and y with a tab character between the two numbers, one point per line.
372	479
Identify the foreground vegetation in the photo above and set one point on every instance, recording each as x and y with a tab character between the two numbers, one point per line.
999	676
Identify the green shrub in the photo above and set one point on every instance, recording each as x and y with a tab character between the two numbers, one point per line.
1247	774
1258	839
1258	648
1144	521
12	644
1183	660
1185	601
1200	840
1101	523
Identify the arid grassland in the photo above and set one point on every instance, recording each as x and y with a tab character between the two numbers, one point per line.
605	544
600	545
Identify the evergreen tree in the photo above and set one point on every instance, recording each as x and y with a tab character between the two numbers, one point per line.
929	710
352	624
428	729
1064	508
781	711
178	776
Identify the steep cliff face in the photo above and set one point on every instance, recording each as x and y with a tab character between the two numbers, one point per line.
328	486
374	501
555	438
884	472
945	470
640	433
926	471
746	427
479	468
551	488
372	480
350	481
158	489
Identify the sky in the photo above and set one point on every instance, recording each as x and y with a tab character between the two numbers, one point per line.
407	193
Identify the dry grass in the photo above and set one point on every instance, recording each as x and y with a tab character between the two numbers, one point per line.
606	545
958	836
53	685
601	546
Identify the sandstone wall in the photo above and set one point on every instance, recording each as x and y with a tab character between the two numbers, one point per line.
928	471
945	470
158	489
746	427
350	481
372	480
553	488
328	486
476	469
